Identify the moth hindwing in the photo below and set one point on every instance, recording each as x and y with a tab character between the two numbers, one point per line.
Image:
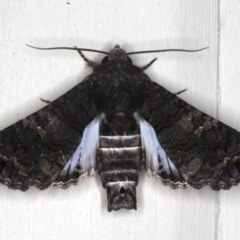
113	122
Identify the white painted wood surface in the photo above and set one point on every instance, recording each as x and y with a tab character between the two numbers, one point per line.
211	77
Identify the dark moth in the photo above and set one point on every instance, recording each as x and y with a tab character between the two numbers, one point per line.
113	122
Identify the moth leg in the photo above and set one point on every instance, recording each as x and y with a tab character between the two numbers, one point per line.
182	91
89	63
44	100
149	64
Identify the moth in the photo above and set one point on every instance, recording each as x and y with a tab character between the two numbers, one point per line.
114	122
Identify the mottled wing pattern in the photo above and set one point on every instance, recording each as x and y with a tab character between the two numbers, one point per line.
203	150
35	150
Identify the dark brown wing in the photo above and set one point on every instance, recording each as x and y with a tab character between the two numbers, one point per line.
204	150
35	150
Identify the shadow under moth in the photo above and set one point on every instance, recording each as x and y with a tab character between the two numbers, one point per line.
114	122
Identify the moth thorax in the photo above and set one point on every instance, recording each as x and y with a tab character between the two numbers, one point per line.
119	123
119	163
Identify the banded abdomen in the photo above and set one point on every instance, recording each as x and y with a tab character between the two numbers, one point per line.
119	162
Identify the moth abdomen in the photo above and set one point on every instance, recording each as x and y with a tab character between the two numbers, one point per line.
119	164
120	141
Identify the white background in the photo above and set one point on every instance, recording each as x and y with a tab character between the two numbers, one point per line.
211	77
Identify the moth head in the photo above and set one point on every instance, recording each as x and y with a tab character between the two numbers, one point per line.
121	195
117	53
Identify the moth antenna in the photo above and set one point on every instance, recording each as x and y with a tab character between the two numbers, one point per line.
167	50
69	48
